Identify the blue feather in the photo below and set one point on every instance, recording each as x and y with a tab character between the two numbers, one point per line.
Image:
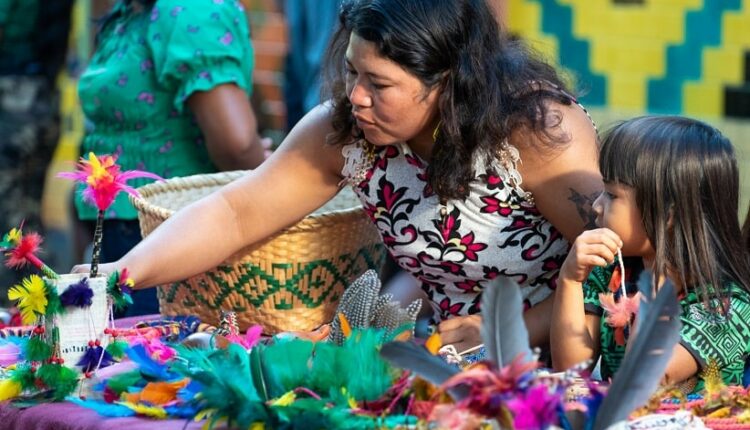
148	367
79	295
95	356
104	409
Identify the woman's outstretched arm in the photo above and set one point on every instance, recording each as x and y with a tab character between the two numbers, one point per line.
299	177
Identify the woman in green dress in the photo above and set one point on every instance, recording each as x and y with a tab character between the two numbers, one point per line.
167	91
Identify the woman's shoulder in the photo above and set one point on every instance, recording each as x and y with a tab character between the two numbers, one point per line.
196	16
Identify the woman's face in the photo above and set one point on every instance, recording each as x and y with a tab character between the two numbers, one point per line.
389	104
617	210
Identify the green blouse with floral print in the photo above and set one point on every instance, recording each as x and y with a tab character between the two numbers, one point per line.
705	334
147	63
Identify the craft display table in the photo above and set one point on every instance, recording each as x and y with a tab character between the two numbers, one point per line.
68	416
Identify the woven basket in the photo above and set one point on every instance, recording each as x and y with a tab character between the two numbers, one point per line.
291	281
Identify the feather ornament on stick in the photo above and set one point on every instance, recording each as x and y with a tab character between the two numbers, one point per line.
23	249
657	332
103	180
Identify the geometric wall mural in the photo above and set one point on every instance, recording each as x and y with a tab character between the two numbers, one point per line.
659	56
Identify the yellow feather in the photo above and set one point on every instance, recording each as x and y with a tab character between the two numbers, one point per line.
345	327
711	375
16	293
149	411
433	343
258	426
31	297
285	400
9	389
205	413
14	236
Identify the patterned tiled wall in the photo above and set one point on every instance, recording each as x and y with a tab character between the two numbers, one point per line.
663	56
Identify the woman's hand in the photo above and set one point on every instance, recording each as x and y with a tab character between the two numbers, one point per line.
592	248
461	332
104	269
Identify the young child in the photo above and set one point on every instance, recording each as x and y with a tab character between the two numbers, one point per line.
671	198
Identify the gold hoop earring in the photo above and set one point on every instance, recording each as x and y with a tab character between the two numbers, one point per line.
436	131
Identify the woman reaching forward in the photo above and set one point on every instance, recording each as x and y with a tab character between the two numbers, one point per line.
466	151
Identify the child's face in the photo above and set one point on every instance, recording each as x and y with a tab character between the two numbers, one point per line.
616	210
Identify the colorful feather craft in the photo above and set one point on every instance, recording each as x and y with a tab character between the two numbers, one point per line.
227	388
619	313
161	393
78	295
117	349
37	349
646	359
289	358
94	357
147	365
536	408
31	298
21	249
54	306
120	288
60	379
103	180
369	376
122	382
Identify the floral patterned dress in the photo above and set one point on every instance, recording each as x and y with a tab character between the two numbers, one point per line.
456	249
146	65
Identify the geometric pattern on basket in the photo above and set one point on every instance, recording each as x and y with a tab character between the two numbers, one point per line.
312	283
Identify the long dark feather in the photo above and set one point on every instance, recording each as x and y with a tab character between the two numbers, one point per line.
644	363
503	331
410	356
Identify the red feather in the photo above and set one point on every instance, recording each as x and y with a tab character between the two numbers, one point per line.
25	252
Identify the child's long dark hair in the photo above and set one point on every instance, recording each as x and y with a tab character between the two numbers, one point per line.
686	183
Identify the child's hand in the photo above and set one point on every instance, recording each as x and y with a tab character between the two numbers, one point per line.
592	248
461	332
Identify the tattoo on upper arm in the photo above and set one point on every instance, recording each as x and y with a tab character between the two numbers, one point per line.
585	207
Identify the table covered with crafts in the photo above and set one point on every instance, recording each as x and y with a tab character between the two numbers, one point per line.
293	333
361	371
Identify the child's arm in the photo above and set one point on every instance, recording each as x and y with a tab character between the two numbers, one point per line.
681	366
574	336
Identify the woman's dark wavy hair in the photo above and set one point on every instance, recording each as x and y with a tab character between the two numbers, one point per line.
489	83
686	183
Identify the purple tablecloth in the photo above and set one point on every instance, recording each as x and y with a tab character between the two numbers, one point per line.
68	416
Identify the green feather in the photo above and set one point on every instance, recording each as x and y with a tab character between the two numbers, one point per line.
288	361
37	350
226	383
62	380
117	348
54	307
24	375
369	376
266	382
124	381
119	300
